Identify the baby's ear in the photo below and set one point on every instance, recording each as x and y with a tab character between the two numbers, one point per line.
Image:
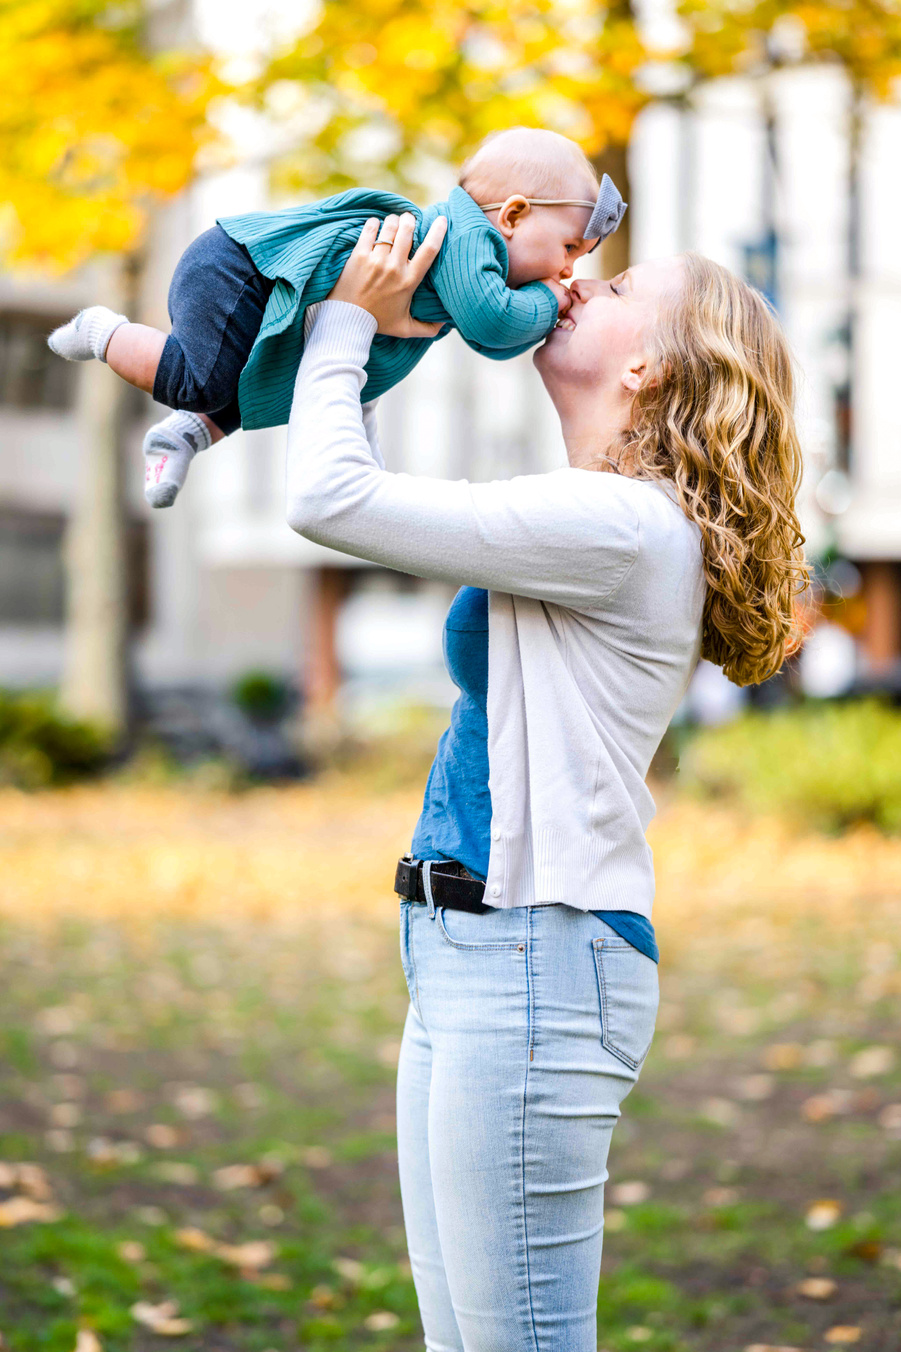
512	213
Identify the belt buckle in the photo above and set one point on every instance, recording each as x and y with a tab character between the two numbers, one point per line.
413	874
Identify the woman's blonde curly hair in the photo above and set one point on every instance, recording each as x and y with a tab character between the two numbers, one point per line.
718	422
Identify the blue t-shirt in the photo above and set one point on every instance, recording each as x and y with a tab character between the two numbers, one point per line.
456	814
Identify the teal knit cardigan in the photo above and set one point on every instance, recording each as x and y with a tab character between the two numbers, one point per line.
304	250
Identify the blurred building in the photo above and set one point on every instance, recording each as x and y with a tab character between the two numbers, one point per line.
220	584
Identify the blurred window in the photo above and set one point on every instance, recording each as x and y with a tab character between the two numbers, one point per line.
31	376
32	577
31	567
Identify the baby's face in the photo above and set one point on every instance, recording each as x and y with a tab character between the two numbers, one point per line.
545	243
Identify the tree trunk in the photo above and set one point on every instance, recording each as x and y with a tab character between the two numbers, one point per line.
94	683
616	249
854	266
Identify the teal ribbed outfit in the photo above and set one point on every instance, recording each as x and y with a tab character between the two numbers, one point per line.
304	249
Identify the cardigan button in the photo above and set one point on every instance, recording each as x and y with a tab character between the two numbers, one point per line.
495	835
495	891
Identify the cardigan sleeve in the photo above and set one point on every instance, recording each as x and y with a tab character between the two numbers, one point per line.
371	428
568	537
492	317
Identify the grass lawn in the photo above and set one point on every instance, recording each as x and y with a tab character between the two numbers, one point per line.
200	1009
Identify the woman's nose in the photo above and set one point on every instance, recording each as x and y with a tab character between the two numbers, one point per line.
575	291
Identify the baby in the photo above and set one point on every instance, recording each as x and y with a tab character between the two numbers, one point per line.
527	206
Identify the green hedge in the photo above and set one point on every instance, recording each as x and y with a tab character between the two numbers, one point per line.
40	746
826	765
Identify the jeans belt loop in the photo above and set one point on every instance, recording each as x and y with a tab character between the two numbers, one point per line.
427	886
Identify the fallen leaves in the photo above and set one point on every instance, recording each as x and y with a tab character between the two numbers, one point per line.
198	1241
843	1334
817	1288
28	1178
872	1061
58	1020
317	1157
130	1251
783	1056
323	1297
163	1318
248	1257
349	1268
721	1111
822	1215
104	1153
632	1193
151	1215
65	1114
193	1101
890	1118
256	1253
18	1210
755	1088
823	1107
172	1171
380	1321
770	1347
34	1199
162	1136
232	1176
123	1101
720	1197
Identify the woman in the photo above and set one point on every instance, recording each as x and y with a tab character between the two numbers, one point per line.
525	932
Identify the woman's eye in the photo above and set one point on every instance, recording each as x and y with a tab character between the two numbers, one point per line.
613	289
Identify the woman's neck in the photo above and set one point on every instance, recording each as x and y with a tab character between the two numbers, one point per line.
595	437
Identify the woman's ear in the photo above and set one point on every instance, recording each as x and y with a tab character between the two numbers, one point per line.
512	213
634	377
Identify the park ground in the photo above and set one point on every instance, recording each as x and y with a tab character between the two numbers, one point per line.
201	1002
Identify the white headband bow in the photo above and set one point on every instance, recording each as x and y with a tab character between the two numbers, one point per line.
606	212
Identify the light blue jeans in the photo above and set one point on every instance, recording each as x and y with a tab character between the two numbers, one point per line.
526	1030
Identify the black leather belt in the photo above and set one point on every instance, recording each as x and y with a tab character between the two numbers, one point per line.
451	885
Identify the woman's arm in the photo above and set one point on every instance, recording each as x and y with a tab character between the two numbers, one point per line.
567	537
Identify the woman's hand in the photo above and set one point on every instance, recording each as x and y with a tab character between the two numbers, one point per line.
380	276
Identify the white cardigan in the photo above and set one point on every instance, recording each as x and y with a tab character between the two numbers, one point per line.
596	599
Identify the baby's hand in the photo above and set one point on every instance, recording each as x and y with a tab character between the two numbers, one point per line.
564	299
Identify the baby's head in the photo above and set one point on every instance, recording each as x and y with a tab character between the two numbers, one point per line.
512	166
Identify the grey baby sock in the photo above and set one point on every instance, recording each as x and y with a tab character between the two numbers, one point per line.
87	335
169	448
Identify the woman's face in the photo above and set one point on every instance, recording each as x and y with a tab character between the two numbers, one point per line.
604	341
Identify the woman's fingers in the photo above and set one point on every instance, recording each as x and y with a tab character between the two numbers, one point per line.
388	232
420	329
428	250
367	236
403	239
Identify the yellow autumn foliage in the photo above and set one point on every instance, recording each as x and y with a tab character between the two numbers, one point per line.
861	36
385	85
94	127
427	81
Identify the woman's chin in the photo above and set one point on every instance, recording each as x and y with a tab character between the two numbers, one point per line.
554	342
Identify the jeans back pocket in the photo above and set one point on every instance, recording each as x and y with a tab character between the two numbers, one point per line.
629	994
